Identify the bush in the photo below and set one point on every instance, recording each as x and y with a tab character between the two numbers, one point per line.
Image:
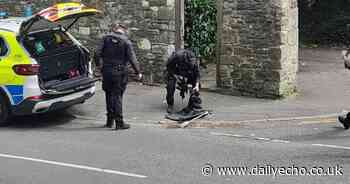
200	27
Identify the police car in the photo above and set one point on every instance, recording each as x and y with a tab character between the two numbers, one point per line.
43	67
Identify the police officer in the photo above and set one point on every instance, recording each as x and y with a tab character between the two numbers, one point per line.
116	52
182	69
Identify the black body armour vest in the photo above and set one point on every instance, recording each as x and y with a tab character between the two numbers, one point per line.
114	51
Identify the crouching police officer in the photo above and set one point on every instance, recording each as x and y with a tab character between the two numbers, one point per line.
182	69
116	52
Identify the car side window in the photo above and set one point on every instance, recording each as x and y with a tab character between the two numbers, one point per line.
3	47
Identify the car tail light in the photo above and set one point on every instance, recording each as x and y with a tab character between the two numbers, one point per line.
26	69
39	97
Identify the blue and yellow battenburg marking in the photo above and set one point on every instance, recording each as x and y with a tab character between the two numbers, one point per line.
16	92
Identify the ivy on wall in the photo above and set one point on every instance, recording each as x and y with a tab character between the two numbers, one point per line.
200	27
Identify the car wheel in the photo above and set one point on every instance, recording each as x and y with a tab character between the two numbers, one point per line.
4	111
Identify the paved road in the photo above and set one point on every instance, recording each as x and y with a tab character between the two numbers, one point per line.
60	148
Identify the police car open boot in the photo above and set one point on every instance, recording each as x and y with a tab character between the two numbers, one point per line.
121	125
63	65
345	120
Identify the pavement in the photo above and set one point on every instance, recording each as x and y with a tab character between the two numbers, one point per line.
322	91
294	140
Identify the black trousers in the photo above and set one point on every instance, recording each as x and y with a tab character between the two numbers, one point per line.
170	89
114	87
194	101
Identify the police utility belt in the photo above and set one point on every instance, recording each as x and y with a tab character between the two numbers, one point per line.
117	69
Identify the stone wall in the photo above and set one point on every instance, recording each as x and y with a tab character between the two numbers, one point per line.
259	47
151	27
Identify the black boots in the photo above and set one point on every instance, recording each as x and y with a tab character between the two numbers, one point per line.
109	122
120	125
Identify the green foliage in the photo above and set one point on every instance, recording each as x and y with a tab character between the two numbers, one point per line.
200	27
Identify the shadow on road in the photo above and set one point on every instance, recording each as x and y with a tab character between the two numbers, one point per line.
46	120
52	121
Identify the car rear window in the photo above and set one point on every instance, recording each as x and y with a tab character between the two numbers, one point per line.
3	47
46	43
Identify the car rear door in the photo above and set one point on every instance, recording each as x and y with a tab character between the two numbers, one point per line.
61	14
66	14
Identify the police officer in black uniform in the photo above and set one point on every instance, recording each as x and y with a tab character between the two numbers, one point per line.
116	52
183	70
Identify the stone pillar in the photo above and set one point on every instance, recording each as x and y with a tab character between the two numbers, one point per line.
258	51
